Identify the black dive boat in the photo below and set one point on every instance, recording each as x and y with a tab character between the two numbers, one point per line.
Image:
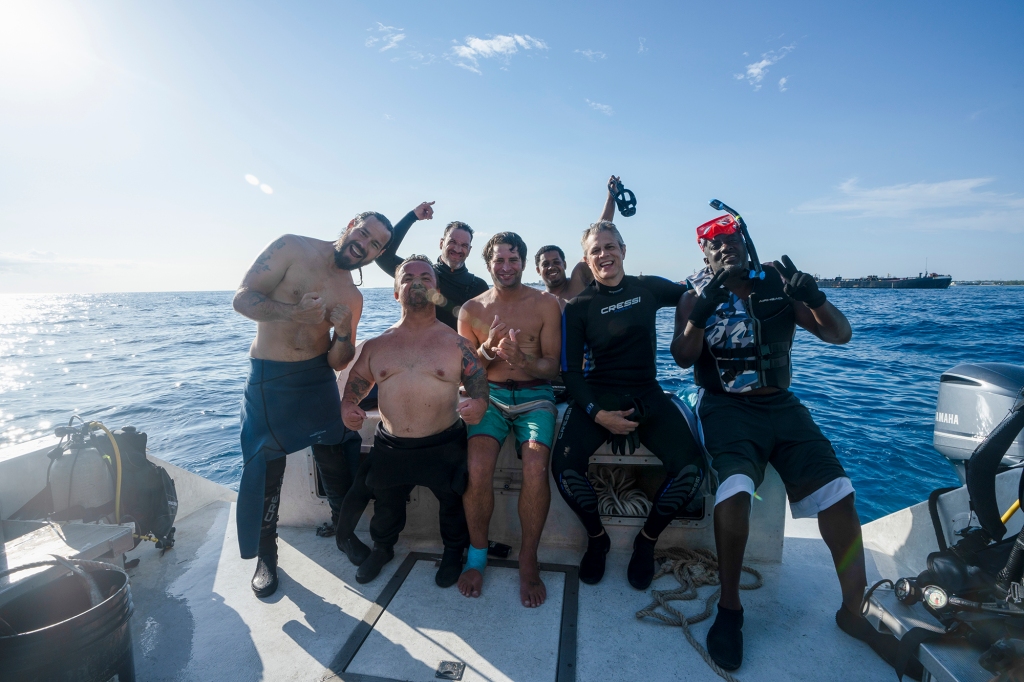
930	280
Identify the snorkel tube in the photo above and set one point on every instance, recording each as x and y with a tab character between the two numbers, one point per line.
755	271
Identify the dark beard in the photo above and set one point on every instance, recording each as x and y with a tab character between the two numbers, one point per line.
417	299
342	261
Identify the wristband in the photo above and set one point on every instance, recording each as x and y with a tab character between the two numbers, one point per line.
484	354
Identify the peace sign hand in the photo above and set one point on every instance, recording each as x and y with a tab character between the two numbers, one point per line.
799	285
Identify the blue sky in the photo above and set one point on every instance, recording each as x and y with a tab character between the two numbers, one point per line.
857	138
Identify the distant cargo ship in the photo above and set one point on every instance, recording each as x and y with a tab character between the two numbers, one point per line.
922	281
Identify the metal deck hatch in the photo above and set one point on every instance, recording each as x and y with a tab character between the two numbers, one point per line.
417	631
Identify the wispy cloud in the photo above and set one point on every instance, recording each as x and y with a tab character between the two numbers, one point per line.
960	204
756	72
468	55
603	108
42	261
592	55
643	46
782	83
389	39
421	59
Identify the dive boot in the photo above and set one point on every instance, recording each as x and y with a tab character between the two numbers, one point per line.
884	644
370	567
641	564
354	548
450	569
592	565
725	639
264	580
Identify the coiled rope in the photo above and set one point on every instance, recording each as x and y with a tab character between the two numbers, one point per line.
693	568
616	495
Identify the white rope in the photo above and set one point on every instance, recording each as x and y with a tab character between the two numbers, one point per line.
616	495
692	568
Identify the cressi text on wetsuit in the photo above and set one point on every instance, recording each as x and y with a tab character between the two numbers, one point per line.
609	348
457	286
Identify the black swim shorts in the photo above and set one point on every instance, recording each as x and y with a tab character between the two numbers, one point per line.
743	434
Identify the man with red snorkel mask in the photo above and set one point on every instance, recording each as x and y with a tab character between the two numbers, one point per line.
736	330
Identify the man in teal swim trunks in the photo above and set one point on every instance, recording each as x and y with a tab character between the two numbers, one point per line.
518	334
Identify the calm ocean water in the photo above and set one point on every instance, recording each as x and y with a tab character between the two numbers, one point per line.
173	365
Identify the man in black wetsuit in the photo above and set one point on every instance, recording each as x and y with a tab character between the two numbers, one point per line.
609	367
454	280
737	334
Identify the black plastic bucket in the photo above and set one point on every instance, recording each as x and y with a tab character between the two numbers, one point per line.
60	637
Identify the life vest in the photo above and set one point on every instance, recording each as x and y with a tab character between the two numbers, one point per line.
747	343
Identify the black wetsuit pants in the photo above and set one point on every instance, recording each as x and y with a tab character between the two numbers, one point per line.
663	431
397	465
337	465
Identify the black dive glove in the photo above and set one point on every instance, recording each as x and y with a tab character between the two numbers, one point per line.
713	295
627	444
799	285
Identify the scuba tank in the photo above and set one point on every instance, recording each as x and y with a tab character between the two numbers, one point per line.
80	484
98	474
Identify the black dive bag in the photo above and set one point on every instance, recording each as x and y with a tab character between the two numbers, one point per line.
148	496
975	588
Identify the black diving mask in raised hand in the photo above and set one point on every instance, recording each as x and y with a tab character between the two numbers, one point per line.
625	200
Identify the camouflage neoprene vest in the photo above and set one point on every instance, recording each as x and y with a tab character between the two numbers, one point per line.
747	343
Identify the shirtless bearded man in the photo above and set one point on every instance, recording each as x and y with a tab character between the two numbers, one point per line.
418	365
518	330
297	291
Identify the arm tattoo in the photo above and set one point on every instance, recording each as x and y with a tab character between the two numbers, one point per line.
356	389
258	306
474	377
261	263
253	299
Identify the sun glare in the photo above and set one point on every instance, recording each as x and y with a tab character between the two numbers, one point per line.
44	51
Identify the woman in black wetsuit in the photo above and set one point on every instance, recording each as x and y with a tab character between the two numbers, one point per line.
609	367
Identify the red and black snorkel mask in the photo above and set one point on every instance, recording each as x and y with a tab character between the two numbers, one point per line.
731	223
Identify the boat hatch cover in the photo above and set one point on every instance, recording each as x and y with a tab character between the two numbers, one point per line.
417	631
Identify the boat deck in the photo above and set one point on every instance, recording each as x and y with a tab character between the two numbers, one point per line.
196	617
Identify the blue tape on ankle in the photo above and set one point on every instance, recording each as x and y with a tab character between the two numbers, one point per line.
476	558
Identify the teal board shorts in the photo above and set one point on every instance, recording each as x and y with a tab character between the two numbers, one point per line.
536	425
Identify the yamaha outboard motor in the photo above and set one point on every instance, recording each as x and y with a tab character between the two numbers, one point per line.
975	588
973	399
